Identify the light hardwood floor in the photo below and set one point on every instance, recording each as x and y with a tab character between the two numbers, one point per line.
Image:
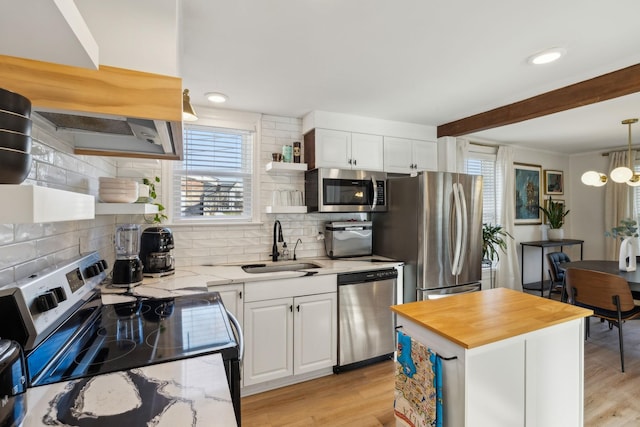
364	397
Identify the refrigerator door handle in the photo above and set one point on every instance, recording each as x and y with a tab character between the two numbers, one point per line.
375	193
455	267
465	228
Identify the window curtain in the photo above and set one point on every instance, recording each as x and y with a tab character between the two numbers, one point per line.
618	202
508	270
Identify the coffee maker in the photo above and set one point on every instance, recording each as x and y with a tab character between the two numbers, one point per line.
155	251
127	268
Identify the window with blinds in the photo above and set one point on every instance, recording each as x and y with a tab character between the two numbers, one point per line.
485	165
214	179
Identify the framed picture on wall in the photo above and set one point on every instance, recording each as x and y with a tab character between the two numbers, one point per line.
528	180
553	182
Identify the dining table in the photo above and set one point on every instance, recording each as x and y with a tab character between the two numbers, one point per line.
612	267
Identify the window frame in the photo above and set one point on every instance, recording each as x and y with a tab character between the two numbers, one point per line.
219	119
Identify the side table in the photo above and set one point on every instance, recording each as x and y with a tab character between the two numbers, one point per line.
539	286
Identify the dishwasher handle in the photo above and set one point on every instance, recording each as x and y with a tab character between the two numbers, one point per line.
238	333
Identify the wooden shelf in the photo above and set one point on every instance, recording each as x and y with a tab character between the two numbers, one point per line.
125	209
286	167
285	209
30	204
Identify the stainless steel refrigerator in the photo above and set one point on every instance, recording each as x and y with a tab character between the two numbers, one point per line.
433	224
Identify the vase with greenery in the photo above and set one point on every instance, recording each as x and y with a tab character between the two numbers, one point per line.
160	216
627	232
555	214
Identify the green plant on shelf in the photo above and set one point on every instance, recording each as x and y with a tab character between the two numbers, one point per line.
160	216
555	213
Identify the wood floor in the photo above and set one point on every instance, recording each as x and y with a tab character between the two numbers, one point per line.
364	397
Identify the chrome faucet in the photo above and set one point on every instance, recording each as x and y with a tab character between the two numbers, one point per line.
277	237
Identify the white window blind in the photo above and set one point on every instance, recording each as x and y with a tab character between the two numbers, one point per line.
485	165
214	179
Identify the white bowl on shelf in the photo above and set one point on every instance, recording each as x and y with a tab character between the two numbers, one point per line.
118	198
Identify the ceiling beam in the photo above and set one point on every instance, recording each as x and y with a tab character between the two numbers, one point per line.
608	86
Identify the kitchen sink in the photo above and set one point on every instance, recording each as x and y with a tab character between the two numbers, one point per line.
271	268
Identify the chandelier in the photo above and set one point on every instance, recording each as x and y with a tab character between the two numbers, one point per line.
620	174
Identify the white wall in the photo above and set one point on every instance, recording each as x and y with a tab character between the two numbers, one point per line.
587	204
28	248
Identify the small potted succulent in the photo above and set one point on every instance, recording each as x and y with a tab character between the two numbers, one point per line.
555	214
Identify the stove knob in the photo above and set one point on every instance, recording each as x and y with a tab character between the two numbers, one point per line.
104	264
99	266
46	301
92	270
59	293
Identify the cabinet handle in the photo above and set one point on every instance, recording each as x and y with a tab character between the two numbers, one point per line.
349	161
291	308
240	295
298	308
355	162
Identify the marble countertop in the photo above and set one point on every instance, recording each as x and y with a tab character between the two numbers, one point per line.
194	279
188	392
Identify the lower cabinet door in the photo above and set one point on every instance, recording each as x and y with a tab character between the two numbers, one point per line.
315	332
269	340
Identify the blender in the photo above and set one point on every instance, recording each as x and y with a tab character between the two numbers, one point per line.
127	268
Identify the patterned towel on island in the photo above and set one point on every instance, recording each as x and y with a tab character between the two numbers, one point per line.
418	394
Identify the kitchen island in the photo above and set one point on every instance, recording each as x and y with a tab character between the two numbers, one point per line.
190	392
508	358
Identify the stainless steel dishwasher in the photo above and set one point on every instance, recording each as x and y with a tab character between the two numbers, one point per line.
366	325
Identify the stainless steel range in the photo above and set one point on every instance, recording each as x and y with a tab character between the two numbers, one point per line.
69	332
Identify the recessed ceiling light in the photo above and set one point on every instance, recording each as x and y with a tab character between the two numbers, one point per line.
547	56
216	97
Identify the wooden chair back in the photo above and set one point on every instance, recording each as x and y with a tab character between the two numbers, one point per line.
597	289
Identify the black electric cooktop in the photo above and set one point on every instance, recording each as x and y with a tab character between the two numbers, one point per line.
99	338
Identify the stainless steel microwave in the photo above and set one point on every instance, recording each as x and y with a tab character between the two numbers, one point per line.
339	190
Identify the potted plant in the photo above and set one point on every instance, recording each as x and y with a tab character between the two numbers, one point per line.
493	239
555	214
160	216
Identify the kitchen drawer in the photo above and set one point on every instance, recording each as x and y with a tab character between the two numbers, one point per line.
286	288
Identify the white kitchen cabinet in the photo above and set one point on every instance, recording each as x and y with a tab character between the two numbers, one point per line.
403	155
268	337
290	329
232	298
344	150
315	330
529	374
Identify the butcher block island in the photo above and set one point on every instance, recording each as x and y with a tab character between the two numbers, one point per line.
507	358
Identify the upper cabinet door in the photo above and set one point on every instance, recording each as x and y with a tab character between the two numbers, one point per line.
425	155
367	152
402	155
398	155
333	148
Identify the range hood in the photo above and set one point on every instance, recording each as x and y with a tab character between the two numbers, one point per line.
94	134
95	106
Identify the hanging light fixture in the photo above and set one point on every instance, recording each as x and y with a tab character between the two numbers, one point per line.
620	174
188	113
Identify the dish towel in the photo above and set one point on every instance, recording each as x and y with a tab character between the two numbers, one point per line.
418	393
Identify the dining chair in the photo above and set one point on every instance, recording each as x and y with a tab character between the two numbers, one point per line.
556	273
608	295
